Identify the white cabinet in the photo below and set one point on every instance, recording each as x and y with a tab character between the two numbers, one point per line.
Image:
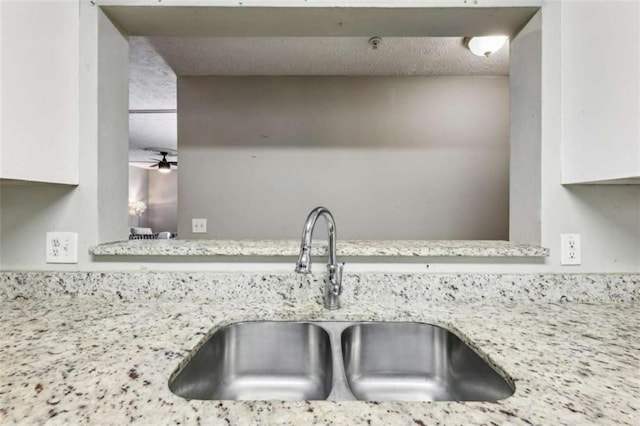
600	91
39	90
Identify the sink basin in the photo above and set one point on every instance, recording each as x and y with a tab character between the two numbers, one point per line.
259	361
416	362
381	361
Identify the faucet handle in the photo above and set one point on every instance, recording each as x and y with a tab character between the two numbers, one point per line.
335	278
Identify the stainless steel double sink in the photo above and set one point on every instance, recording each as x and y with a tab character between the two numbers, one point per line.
371	361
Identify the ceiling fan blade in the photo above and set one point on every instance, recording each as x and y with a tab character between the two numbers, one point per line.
175	163
155	165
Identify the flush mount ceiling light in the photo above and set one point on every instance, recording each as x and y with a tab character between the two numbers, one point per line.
485	46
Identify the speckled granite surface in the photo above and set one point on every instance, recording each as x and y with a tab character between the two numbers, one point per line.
358	288
360	248
106	358
91	360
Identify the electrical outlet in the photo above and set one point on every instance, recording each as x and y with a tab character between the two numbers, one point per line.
570	249
62	247
199	226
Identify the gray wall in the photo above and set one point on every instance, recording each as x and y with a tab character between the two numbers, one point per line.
608	217
526	126
113	132
139	191
163	201
29	211
159	192
429	155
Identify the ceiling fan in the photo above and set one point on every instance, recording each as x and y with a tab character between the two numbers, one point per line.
163	165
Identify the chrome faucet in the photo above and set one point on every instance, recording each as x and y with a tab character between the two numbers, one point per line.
333	282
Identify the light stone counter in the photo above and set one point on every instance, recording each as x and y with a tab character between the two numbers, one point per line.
106	358
356	248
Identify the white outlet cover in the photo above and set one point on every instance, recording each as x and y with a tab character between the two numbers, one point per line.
199	226
570	252
62	247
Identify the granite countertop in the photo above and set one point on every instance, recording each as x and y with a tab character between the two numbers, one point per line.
359	248
107	360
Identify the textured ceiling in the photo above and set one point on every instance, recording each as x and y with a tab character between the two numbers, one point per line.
152	86
325	56
153	130
155	61
152	83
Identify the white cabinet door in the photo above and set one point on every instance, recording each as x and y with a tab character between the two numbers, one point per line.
39	98
600	91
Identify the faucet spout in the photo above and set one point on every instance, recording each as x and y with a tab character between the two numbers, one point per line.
303	265
307	236
333	283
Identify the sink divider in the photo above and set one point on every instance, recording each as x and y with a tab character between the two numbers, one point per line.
340	390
